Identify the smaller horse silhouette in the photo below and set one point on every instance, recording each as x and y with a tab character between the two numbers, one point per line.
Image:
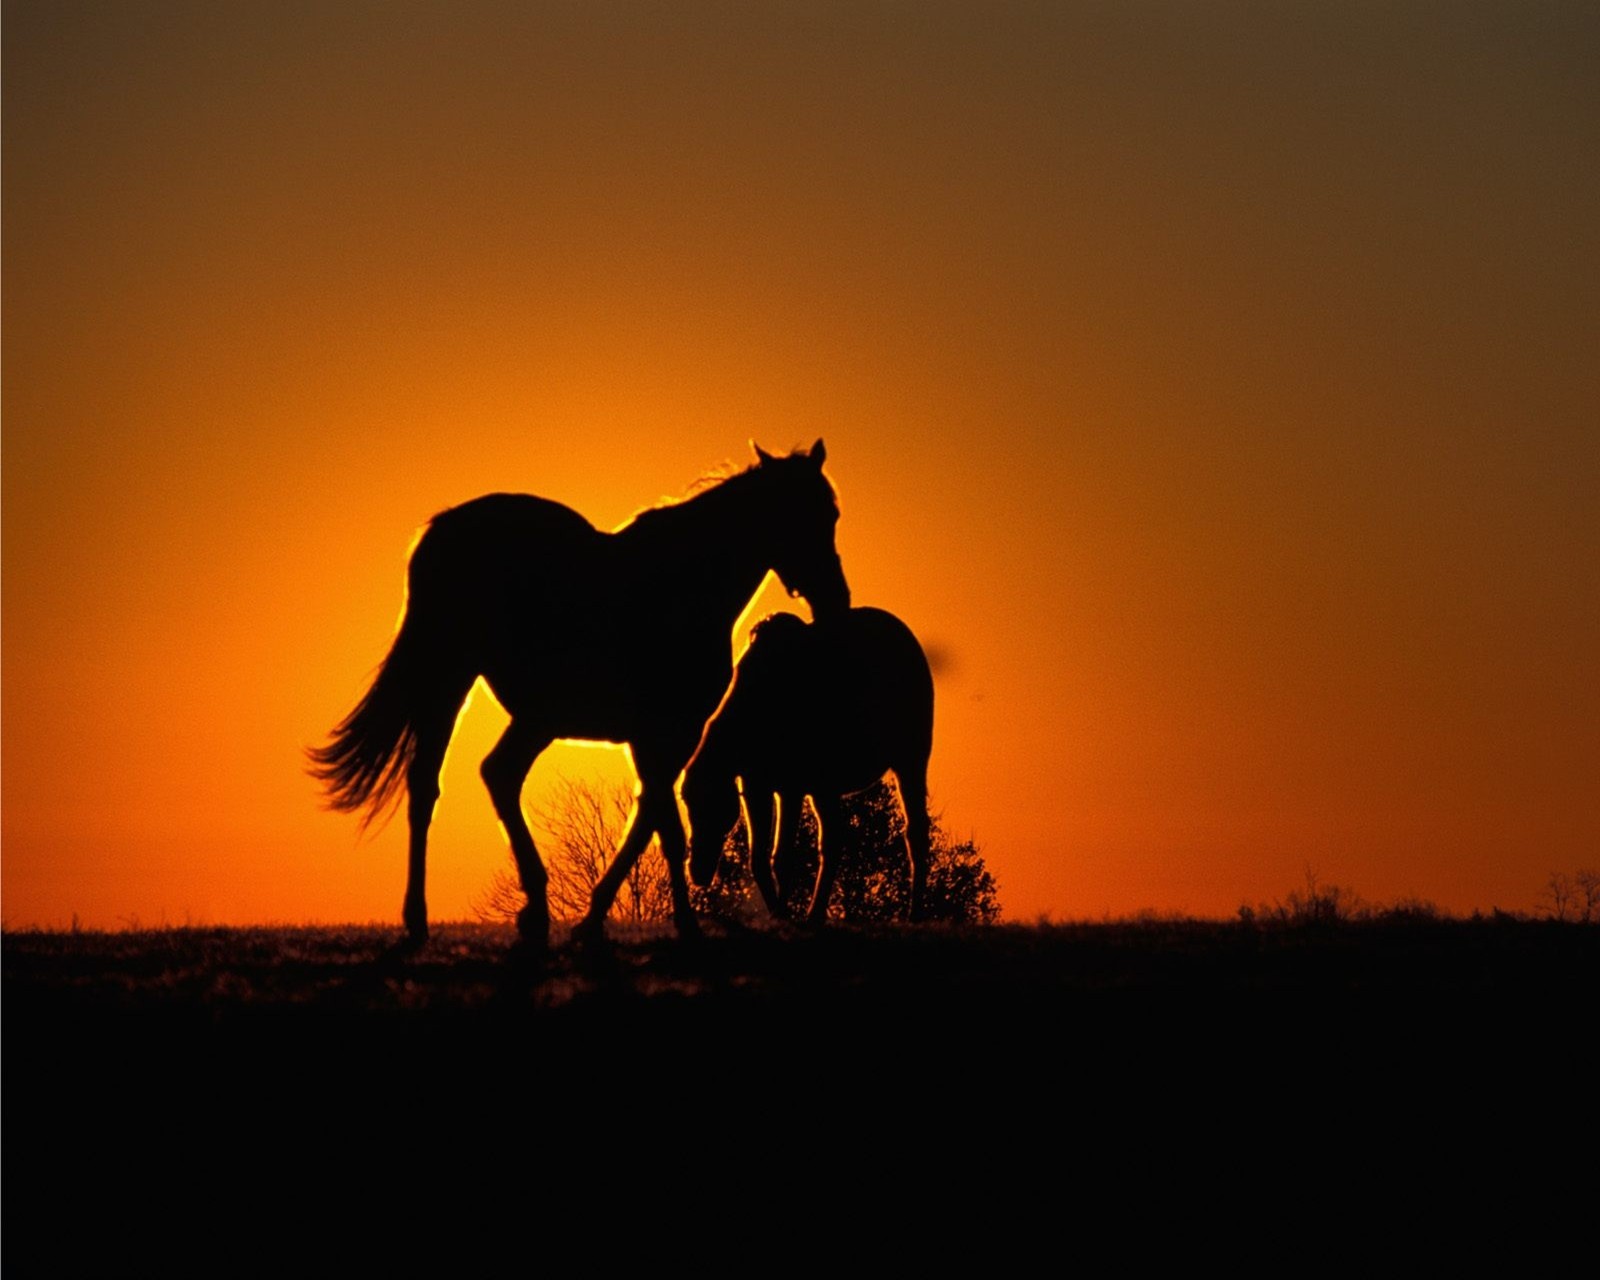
823	710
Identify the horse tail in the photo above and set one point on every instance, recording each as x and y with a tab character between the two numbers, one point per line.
364	764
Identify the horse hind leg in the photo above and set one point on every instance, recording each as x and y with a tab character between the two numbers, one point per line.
913	787
433	730
503	771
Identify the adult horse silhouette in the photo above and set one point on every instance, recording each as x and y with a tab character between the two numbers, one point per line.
823	711
617	637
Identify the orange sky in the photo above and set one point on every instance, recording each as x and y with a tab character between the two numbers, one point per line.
1213	386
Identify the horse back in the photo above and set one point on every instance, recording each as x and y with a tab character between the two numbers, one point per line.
567	623
834	706
881	684
506	526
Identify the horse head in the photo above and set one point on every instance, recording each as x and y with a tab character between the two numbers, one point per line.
754	702
801	510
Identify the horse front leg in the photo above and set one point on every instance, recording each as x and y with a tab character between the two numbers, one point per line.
655	812
592	928
831	818
675	848
786	859
758	832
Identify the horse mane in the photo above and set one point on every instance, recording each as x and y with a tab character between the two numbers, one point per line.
723	482
710	478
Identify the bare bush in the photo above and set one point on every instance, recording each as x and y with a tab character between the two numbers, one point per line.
1573	896
582	825
1587	898
1316	903
1559	896
874	880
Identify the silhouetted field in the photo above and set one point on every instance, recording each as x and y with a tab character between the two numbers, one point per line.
255	1076
1001	999
469	974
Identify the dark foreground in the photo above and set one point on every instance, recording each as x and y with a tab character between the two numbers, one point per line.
1016	981
152	1077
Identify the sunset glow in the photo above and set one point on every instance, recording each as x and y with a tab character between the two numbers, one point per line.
1212	389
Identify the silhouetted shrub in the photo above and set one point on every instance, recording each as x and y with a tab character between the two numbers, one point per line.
1588	895
577	833
1410	908
1319	903
1574	896
874	881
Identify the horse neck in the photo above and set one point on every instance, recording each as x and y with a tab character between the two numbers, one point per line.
717	543
713	764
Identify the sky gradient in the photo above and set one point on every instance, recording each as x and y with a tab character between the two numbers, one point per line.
1213	388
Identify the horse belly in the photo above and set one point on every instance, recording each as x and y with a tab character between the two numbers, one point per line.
590	687
564	699
826	764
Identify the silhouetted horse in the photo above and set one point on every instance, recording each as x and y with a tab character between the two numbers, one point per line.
823	711
617	637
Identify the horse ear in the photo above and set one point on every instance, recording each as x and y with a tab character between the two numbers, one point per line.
761	454
819	453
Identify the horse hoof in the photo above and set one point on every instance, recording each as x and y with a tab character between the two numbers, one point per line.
402	948
527	957
533	927
688	927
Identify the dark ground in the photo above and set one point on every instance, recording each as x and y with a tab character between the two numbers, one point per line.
164	1078
1016	980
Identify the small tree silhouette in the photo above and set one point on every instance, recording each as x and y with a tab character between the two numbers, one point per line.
1587	897
1322	904
1560	895
583	824
1572	896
